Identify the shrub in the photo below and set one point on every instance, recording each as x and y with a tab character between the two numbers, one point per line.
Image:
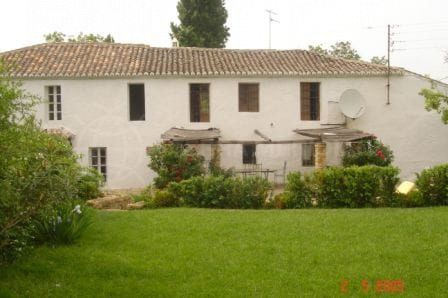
297	192
356	187
336	187
37	170
222	192
163	198
65	225
145	195
89	184
277	202
433	185
250	192
174	163
413	199
367	152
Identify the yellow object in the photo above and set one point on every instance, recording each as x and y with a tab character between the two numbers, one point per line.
405	187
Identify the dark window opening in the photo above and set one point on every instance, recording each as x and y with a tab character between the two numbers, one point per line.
54	103
248	95
98	160
307	155
309	101
199	103
137	102
249	154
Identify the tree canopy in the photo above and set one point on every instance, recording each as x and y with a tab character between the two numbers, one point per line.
436	101
57	36
341	49
379	60
202	24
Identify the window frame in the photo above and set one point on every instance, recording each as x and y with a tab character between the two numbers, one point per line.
53	93
249	105
129	101
99	164
190	102
253	158
306	108
309	162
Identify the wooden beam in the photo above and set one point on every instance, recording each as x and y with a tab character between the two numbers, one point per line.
224	142
256	131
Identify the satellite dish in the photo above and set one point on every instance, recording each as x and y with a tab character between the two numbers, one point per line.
352	104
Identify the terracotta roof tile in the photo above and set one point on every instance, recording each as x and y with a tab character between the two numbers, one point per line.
74	60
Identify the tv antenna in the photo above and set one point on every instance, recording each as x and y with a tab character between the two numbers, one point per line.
271	12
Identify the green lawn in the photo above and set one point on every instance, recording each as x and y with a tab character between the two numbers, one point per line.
269	253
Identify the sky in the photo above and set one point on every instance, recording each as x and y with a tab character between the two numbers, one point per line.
419	28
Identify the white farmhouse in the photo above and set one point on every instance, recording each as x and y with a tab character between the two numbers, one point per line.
245	106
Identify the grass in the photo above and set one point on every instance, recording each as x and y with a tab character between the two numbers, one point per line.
216	253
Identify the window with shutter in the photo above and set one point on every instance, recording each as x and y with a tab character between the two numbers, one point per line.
309	101
199	103
248	94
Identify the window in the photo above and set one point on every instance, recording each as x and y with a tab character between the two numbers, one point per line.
199	103
137	102
248	97
307	155
98	160
249	154
309	101
54	102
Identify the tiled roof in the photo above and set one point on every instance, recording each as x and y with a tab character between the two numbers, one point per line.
85	60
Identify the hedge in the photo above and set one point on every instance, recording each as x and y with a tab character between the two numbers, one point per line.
221	192
343	187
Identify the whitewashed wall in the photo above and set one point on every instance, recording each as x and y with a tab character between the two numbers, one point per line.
97	112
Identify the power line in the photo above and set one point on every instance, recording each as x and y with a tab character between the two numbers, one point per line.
423	31
418	40
424	23
442	48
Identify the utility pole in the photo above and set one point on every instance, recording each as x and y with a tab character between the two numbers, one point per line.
388	64
271	12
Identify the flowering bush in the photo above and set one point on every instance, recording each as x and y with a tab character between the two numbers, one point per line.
65	225
174	163
367	152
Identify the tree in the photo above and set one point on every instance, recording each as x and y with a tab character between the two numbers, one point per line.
318	49
202	24
54	37
379	60
343	49
61	37
436	101
92	38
